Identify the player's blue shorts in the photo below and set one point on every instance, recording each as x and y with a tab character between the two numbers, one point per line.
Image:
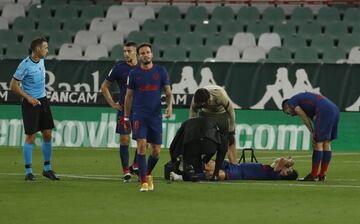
149	128
120	124
326	123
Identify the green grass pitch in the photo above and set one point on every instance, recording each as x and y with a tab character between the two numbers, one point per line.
91	191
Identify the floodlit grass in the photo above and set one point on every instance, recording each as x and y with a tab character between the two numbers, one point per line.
91	191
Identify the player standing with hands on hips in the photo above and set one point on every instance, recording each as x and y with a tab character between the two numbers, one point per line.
35	106
143	98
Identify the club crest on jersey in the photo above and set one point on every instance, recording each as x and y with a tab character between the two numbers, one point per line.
156	76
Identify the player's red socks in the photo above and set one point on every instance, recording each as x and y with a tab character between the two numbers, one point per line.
317	157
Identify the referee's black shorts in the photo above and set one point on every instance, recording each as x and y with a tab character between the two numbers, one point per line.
37	118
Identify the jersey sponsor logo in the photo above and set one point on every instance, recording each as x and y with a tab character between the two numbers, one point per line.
149	87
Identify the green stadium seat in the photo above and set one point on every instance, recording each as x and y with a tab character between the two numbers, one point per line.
73	25
54	3
332	55
168	14
352	16
190	40
273	15
205	29
222	14
175	53
64	12
294	42
164	40
285	29
231	28
92	11
322	42
49	25
257	28
179	27
328	14
301	15
356	29
336	29
22	25
81	2
7	37
279	54
153	26
248	14
117	52
306	55
38	12
309	29
29	36
138	37
349	41
214	41
194	14
200	53
16	51
57	38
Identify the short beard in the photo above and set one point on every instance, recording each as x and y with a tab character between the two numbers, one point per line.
146	62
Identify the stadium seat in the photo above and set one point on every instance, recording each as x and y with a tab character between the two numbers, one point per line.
91	11
349	41
190	40
84	38
49	25
138	37
112	38
164	40
38	12
352	16
294	42
248	14
328	14
272	15
127	26
81	3
214	41
117	52
279	54
174	53
301	15
26	3
11	11
243	40
205	29
4	24
322	42
117	13
54	3
253	54
269	40
200	53
285	29
70	51
30	35
142	13
231	28
101	25
96	51
336	29
306	55
308	30
16	51
64	12
7	37
73	25
257	28
153	26
23	25
56	39
179	27
168	14
354	55
222	15
195	14
227	53
332	55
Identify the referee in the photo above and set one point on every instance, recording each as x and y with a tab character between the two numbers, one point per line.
35	106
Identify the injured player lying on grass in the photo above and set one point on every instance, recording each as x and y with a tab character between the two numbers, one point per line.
280	169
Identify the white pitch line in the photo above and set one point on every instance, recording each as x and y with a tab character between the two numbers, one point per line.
270	183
